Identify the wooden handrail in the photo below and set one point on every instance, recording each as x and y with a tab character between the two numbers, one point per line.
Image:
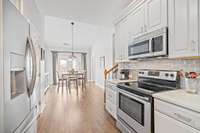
106	72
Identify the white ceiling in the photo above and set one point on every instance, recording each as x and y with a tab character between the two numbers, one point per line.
99	12
58	32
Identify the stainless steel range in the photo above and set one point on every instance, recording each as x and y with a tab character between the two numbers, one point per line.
135	101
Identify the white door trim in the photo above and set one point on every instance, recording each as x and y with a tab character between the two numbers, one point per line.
1	69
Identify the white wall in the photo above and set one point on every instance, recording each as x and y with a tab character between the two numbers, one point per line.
58	31
1	71
102	47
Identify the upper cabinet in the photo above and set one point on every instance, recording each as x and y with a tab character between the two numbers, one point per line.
183	28
121	41
156	14
180	16
136	21
148	16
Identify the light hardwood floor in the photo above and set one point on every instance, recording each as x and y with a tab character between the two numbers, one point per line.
69	113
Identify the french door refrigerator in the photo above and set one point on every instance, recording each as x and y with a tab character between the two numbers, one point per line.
19	72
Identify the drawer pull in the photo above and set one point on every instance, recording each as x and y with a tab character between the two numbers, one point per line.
181	117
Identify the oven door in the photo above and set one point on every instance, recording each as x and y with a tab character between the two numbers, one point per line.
135	111
140	49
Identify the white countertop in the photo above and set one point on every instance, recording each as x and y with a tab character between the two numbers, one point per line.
181	98
116	81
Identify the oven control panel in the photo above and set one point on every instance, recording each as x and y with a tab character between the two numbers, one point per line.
165	75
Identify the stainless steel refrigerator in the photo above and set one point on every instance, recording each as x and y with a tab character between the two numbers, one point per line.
20	72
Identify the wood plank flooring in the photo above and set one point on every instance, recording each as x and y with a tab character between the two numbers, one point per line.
69	113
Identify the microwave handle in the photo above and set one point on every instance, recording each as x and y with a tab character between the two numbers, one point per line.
150	45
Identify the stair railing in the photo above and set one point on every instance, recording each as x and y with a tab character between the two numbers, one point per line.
106	73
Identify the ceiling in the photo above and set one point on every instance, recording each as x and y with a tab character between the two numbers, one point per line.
98	12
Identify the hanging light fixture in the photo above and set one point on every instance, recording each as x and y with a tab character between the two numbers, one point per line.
72	57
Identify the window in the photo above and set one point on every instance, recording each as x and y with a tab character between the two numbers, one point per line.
65	63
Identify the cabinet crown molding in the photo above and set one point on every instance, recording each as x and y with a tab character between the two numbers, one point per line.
126	11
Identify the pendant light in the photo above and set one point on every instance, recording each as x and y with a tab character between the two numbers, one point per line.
72	50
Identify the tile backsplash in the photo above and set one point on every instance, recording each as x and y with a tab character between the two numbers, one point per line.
187	65
164	64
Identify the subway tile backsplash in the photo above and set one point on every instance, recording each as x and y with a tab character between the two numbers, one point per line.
164	64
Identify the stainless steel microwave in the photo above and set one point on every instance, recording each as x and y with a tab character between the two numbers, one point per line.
151	44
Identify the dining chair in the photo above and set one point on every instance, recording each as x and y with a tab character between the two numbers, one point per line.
82	79
59	79
72	78
64	78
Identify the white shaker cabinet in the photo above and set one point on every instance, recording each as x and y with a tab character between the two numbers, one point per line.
117	43
183	28
171	118
156	15
130	26
149	16
146	16
165	124
121	41
136	21
111	99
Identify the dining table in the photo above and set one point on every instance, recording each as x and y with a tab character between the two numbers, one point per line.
75	76
69	74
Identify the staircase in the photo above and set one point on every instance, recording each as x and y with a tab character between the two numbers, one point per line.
108	72
107	75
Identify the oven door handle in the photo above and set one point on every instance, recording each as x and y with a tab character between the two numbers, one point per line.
141	97
135	96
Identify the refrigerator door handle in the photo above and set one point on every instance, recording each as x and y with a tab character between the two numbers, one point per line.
30	66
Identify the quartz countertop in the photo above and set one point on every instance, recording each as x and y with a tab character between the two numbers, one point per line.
181	98
117	81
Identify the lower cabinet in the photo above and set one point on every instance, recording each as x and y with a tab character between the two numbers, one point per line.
170	118
166	124
111	99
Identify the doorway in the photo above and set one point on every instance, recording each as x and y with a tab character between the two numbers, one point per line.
64	63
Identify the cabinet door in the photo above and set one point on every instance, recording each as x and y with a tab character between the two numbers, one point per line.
183	28
138	21
165	124
156	14
121	41
124	39
117	53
